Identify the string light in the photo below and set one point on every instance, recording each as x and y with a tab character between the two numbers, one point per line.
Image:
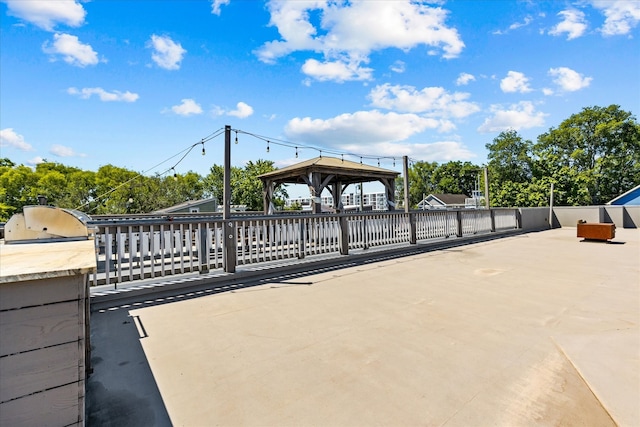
297	147
267	146
203	152
236	137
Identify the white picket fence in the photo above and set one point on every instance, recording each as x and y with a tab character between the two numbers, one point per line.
136	249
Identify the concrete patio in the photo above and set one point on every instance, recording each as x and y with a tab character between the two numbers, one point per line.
534	329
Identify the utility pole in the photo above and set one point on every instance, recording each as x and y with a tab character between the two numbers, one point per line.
229	255
486	187
405	172
551	207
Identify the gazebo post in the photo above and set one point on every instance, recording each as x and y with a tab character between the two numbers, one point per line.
267	197
389	186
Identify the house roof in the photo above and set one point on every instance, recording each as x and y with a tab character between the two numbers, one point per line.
631	197
450	199
345	171
187	204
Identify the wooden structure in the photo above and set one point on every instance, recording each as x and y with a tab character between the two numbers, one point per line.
596	231
327	172
44	332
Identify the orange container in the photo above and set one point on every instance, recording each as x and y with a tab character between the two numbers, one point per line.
596	231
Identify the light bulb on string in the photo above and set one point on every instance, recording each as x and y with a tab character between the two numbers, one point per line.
203	152
394	162
236	137
342	157
320	153
296	152
361	160
378	162
267	146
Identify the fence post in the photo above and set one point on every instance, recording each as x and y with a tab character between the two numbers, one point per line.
203	253
412	228
344	235
459	221
493	220
229	249
301	242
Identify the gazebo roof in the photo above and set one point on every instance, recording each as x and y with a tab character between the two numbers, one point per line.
345	171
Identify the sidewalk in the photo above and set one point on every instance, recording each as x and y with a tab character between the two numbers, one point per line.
536	329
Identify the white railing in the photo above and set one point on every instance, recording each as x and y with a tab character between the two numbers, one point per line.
135	249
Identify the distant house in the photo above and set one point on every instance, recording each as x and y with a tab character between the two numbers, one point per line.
443	201
630	198
192	206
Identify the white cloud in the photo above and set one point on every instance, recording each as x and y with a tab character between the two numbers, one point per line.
35	161
547	91
166	54
62	151
188	107
432	101
568	79
46	14
621	16
515	82
242	111
116	95
441	151
335	70
361	128
398	67
348	32
216	4
573	24
71	49
518	116
464	79
9	138
527	20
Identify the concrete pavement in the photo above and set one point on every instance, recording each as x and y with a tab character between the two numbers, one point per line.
536	329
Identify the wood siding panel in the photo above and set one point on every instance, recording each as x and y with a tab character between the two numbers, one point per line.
34	371
37	327
55	407
37	292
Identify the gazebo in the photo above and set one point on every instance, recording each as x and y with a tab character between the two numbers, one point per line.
330	173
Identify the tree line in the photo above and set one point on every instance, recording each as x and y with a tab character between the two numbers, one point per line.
591	157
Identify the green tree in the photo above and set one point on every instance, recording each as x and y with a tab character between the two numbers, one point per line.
246	187
592	156
456	177
421	181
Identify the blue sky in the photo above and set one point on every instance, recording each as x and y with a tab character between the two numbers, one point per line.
134	83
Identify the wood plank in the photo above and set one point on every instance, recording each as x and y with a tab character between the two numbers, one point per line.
36	327
38	370
61	406
37	292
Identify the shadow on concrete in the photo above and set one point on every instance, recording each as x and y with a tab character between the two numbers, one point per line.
121	391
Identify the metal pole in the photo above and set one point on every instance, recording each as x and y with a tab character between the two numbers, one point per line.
551	207
229	256
361	199
405	171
